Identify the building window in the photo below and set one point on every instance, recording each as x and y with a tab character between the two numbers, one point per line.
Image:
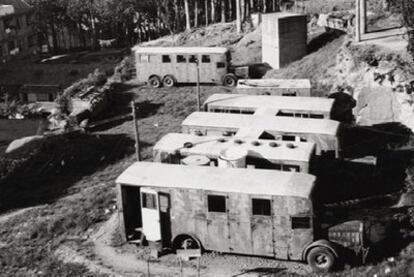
181	59
261	207
216	203
166	59
301	223
205	59
149	201
221	65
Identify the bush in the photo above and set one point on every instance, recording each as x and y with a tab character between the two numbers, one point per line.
406	7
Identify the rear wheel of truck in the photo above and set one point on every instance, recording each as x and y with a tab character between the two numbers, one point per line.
169	81
230	80
321	259
154	81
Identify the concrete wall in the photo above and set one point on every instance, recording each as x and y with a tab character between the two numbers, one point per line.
284	38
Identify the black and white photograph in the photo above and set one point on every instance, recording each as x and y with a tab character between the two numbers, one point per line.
206	138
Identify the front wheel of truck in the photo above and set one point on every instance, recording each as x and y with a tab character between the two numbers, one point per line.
321	259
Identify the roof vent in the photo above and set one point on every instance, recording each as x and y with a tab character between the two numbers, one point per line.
222	140
274	144
238	141
256	143
188	145
291	146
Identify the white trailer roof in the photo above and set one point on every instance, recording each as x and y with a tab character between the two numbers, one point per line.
239	180
273	83
227	100
211	146
179	50
262	122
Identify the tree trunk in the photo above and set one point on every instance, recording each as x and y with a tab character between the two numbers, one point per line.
187	15
230	9
223	10
177	16
264	6
238	17
213	11
195	13
206	12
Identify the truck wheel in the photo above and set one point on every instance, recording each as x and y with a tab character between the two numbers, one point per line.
154	81
321	259
230	81
168	81
185	242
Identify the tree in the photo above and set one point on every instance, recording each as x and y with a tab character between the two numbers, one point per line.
187	15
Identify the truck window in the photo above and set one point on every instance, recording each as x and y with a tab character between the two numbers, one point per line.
149	201
193	59
144	58
319	116
221	65
288	138
166	59
261	207
301	223
205	59
282	113
181	59
216	203
291	167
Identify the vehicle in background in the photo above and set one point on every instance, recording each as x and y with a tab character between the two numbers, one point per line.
168	66
232	210
325	133
281	87
191	149
302	107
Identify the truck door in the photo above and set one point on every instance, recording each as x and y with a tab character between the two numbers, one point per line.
217	223
192	68
262	226
239	223
150	214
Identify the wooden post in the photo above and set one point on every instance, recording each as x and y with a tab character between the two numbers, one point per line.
198	85
136	130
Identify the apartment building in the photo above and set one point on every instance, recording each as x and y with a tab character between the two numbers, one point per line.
17	33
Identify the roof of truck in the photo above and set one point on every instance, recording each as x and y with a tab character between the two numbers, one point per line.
228	100
180	50
262	122
211	146
238	180
273	83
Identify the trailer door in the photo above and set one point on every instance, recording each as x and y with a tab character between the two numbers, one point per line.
150	215
217	223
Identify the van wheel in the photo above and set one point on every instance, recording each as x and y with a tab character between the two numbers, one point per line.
186	242
321	259
154	81
168	81
230	80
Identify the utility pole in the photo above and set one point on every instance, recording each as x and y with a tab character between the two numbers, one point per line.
136	131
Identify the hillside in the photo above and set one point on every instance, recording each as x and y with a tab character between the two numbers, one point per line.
58	211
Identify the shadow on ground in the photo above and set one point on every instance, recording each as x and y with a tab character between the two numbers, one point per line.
323	39
58	164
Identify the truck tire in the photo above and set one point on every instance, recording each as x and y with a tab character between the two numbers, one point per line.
154	81
230	80
321	259
169	81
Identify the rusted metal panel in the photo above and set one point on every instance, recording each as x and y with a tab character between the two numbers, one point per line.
262	235
239	223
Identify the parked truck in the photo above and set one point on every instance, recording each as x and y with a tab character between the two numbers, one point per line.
168	66
232	210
